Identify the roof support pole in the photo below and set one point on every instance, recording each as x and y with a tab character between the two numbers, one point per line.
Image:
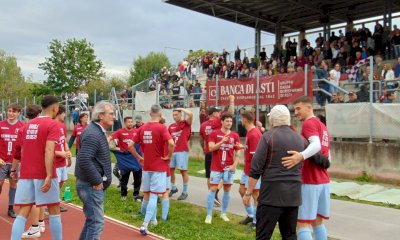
257	42
278	34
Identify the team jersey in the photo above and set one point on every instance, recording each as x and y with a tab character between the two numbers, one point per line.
223	157
32	139
152	137
311	173
8	139
180	133
124	137
206	128
252	138
78	130
169	161
60	145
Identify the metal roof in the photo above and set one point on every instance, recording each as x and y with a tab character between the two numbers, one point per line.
294	15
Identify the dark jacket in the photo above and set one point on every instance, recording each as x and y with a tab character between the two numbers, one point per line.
93	162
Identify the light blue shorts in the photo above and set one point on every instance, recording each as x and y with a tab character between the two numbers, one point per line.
180	161
28	193
315	202
154	182
244	180
62	174
226	176
168	183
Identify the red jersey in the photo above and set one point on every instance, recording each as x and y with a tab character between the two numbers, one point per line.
180	133
206	128
60	145
8	139
78	130
223	157
252	138
32	139
152	137
124	137
311	173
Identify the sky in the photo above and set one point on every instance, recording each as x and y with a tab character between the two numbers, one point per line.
121	30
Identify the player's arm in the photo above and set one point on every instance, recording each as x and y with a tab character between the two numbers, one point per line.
171	146
296	157
132	150
49	158
231	107
249	191
72	139
189	119
212	146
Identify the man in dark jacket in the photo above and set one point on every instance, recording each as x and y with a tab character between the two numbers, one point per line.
93	169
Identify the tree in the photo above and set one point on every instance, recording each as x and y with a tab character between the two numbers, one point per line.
72	65
144	67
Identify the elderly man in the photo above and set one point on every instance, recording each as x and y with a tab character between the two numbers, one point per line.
93	169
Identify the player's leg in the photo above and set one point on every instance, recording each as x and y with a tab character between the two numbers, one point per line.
256	192
215	178
146	192
19	223
228	181
62	176
137	182
25	198
267	217
124	184
116	173
173	165
182	165
165	201
287	223
322	212
307	211
207	165
249	209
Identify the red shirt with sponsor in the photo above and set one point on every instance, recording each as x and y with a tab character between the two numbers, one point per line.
311	173
78	130
180	133
206	128
8	139
152	137
223	157
124	136
32	139
60	145
252	138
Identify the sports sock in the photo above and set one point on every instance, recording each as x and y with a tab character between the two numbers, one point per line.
144	206
185	188
250	210
55	226
18	228
255	215
173	186
11	196
164	209
320	232
225	201
210	202
154	217
151	207
304	234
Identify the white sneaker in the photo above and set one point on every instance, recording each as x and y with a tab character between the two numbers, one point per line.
224	217
42	227
208	219
33	232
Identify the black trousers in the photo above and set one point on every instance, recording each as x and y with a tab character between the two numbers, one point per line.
137	182
268	216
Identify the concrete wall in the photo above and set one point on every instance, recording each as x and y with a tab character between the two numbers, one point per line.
349	159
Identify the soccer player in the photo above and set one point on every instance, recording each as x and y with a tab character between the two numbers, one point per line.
223	143
78	129
315	191
38	183
206	128
152	137
123	137
180	132
253	136
8	136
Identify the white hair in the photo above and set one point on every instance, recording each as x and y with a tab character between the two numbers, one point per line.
100	107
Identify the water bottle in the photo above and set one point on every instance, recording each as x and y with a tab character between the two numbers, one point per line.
67	194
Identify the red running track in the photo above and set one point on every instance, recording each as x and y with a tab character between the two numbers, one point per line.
72	222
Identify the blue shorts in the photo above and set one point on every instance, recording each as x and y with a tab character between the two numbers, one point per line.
226	176
28	193
315	202
5	171
244	180
180	160
62	174
168	183
154	182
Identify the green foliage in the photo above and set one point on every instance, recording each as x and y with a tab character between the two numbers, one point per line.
194	55
364	177
72	65
144	67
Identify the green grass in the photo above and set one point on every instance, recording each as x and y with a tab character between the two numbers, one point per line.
345	198
187	220
364	177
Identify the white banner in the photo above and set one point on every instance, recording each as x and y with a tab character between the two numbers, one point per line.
352	120
144	101
167	114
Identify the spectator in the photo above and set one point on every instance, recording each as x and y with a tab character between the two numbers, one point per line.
397	69
322	73
378	68
100	97
263	56
396	42
378	31
193	72
197	93
224	55
237	53
336	98
352	98
334	77
176	91
388	75
210	73
387	97
75	116
308	50
363	94
203	115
